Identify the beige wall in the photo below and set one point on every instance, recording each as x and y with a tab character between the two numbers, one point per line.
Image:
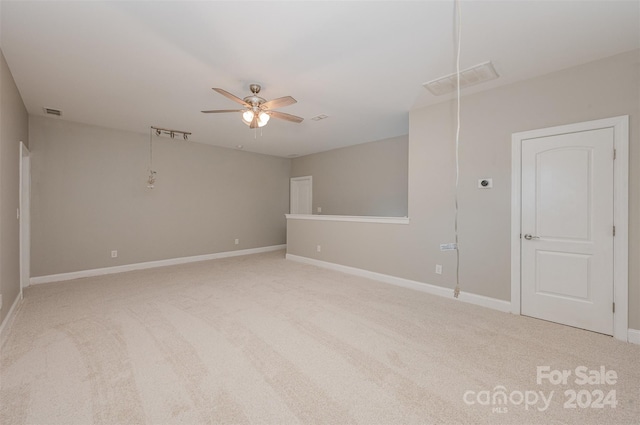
368	179
13	129
90	197
606	88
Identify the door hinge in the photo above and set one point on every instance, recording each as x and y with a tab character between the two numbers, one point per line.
614	307
520	235
614	230
614	154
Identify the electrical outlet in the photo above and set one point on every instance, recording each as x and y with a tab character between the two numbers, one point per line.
114	254
237	241
438	268
318	248
319	209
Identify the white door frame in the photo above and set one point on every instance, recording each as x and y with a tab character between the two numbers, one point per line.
294	180
25	216
620	127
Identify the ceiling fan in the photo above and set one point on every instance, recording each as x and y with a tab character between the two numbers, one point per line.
257	111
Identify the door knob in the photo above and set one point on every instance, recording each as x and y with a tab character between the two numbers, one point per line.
529	237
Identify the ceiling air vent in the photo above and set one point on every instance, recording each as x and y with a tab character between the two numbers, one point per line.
468	77
51	111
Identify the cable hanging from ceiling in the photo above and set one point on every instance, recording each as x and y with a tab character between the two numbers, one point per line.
151	180
458	21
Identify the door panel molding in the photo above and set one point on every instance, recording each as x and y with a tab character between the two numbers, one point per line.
620	127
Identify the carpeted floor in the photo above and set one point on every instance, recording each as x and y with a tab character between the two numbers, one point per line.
259	339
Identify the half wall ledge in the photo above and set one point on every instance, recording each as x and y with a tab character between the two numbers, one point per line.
352	218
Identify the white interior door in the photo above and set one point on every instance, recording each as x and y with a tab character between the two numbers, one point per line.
25	217
567	229
301	196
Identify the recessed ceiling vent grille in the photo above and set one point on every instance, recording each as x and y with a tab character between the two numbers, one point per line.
51	111
469	77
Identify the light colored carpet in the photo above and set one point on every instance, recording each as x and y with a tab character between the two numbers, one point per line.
259	339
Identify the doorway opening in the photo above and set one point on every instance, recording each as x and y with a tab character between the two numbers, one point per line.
24	216
301	195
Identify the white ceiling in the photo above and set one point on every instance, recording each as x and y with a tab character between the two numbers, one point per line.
130	65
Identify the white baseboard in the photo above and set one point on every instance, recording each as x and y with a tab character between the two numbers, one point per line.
634	336
8	320
481	300
150	264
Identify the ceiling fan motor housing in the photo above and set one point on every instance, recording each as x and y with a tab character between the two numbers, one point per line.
254	100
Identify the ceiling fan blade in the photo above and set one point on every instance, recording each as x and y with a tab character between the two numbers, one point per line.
279	102
287	117
254	121
231	96
217	111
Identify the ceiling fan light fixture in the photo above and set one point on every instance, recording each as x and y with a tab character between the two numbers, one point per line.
263	119
247	117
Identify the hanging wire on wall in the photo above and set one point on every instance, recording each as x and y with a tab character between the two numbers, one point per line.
152	174
159	132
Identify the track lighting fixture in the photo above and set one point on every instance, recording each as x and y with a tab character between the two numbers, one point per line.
171	133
